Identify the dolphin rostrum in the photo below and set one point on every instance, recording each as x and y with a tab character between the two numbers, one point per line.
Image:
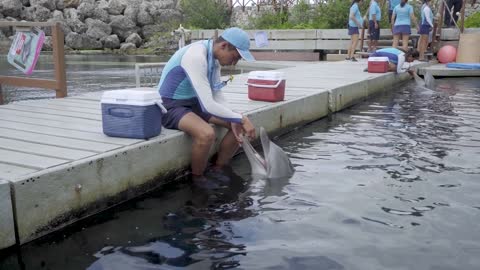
274	164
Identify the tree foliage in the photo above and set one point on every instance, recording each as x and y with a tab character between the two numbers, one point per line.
206	14
473	21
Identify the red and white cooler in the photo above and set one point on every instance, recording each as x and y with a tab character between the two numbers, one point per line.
378	64
266	85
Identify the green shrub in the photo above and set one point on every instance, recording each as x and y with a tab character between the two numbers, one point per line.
301	15
206	14
272	20
473	21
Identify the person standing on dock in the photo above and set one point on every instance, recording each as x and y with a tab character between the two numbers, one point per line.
355	22
426	26
391	5
374	17
396	58
190	88
401	21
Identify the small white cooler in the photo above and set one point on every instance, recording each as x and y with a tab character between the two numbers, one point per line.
131	113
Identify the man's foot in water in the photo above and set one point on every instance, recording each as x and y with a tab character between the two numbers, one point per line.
203	182
218	174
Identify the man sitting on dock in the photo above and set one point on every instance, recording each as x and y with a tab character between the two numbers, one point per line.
190	89
396	58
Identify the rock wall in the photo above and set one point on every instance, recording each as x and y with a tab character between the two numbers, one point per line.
118	24
97	24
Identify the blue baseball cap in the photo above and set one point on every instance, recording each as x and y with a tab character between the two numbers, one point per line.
239	38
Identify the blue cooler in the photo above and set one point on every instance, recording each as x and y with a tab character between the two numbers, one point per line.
131	113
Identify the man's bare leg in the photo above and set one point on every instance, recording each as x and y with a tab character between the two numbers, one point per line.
228	145
203	137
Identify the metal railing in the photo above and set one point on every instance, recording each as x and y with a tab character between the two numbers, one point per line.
148	74
59	84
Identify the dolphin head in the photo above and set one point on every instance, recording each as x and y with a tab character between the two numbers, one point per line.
274	164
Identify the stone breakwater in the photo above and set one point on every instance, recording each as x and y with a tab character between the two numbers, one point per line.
97	24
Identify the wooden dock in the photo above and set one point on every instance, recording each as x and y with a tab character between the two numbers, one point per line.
56	165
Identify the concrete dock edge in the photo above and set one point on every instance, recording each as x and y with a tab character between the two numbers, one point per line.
7	232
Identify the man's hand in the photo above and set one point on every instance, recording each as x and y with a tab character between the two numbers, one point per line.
237	131
376	25
248	128
411	72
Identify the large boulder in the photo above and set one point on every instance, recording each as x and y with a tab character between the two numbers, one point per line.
122	26
82	41
97	29
11	8
73	20
50	4
162	16
135	39
60	4
125	47
111	42
85	9
41	13
144	16
65	27
165	4
116	7
101	14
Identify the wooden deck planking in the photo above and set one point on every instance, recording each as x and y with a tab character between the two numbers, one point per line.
97	128
28	160
61	107
79	144
52	111
12	171
66	133
42	149
41	116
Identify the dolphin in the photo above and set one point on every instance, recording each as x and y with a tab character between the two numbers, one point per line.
428	81
275	162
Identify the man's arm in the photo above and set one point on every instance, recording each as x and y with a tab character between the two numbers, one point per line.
401	60
194	62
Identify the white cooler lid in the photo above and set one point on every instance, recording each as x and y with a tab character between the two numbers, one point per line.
266	75
378	58
132	96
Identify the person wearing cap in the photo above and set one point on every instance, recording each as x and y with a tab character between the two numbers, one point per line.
190	88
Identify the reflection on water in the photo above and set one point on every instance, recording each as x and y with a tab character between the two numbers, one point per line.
392	183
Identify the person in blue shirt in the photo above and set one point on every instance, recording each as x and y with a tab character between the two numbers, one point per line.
374	17
396	58
190	88
426	26
391	5
355	22
402	19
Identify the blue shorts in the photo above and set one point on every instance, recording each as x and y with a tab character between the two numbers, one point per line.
374	32
177	108
352	30
402	29
424	29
